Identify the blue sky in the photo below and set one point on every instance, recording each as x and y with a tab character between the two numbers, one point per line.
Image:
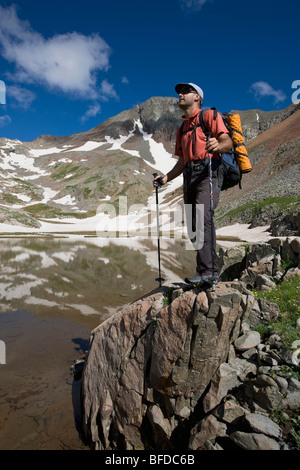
66	66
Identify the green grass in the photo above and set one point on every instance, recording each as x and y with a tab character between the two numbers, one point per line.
287	296
29	188
93	178
68	169
11	199
86	192
44	211
167	299
41	209
290	423
282	202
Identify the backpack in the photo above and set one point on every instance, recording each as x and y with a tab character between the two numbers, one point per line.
236	162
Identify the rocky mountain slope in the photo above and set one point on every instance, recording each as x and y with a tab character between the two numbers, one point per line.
59	177
65	178
270	193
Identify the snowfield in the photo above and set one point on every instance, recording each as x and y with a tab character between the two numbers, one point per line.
137	222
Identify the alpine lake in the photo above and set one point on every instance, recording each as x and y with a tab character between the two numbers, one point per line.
54	291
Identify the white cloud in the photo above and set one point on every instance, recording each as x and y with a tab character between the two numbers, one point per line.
107	91
263	89
92	111
22	97
68	62
125	80
4	120
193	5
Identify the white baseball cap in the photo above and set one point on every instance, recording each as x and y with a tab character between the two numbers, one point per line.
199	90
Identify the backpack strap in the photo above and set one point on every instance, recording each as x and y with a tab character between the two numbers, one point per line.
201	123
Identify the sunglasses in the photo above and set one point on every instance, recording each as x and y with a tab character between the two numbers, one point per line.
186	91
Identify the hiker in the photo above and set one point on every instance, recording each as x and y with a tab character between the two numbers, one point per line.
193	148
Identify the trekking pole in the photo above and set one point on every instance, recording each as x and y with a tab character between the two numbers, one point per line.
158	184
211	202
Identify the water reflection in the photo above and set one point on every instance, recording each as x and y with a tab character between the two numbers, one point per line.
84	279
53	292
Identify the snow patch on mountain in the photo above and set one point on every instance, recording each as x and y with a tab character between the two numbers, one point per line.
88	146
117	143
61	160
67	200
40	152
18	161
48	195
163	160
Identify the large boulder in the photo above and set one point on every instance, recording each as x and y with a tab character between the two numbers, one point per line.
149	364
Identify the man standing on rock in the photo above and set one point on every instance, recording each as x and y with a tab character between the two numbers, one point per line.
193	149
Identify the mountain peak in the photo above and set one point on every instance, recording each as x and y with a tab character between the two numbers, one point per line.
53	176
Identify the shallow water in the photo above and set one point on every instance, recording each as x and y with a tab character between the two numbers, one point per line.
39	400
53	292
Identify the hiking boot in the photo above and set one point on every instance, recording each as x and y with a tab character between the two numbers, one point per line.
202	279
193	279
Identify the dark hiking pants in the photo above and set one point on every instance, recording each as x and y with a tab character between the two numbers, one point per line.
197	192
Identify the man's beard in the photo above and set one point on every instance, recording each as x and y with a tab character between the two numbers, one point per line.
182	105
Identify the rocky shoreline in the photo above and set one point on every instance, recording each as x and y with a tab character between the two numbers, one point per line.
186	369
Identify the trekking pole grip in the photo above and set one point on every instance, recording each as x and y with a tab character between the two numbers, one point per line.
158	181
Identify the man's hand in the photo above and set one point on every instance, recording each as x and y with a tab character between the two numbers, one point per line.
222	144
162	180
176	171
212	146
